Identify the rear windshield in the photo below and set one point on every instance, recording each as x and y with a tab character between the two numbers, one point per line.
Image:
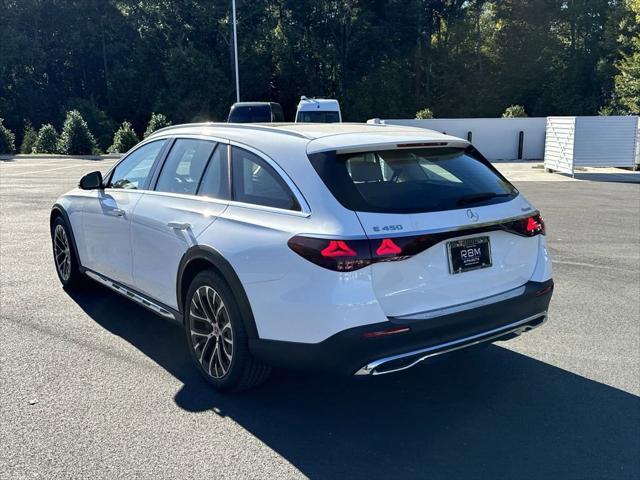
412	180
318	116
250	114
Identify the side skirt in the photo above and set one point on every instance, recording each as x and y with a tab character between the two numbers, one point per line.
156	307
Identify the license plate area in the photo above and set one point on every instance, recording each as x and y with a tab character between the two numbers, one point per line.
469	254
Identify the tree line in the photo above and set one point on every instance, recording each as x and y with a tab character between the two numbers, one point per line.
121	60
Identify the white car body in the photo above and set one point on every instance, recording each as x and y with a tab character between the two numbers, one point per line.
318	110
142	241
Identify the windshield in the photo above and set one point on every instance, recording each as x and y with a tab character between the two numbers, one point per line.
318	116
250	114
412	180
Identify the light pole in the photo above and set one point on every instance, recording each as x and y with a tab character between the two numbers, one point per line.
235	49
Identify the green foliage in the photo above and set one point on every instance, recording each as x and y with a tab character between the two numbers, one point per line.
47	140
124	139
76	139
100	124
7	139
514	111
157	121
627	83
385	58
29	136
424	114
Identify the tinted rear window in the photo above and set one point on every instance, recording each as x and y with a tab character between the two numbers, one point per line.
412	180
250	114
318	116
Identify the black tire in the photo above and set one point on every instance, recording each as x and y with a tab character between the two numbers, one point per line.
65	259
216	337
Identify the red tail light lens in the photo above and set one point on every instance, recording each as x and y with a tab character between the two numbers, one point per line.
388	247
527	226
535	225
338	255
338	248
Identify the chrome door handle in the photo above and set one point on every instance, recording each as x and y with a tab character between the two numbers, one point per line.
179	225
117	212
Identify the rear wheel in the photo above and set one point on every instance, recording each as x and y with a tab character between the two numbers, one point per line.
216	336
64	257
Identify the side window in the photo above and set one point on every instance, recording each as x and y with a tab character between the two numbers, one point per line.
184	165
254	181
215	182
133	171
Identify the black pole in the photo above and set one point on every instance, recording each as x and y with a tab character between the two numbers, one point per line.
469	136
520	144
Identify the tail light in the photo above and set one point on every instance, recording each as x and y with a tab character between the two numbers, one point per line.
344	255
529	226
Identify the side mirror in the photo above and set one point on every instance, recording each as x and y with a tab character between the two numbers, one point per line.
91	181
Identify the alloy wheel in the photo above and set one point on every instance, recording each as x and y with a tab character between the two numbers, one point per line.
62	252
211	332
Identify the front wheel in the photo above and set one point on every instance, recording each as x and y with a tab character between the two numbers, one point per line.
216	336
64	258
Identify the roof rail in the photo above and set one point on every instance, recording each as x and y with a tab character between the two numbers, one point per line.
246	126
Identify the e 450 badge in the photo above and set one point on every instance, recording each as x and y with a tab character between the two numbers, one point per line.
388	228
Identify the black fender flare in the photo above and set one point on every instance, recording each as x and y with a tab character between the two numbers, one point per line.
224	268
58	210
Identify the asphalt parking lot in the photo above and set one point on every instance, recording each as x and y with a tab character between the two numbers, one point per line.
94	386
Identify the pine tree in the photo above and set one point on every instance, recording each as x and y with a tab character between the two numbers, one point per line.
156	122
29	137
76	139
47	140
7	139
124	139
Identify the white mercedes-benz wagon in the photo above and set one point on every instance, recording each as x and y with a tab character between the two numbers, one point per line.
353	248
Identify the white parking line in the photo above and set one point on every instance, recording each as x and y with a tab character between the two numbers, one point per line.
36	172
30	163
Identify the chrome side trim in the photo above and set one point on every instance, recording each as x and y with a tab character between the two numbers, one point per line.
516	292
122	290
517	328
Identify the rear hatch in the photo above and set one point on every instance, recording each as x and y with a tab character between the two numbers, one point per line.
444	225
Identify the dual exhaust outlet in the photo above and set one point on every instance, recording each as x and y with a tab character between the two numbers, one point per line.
407	360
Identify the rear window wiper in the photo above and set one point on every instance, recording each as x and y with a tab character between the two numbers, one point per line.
479	197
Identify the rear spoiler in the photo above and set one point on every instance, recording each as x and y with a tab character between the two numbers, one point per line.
461	144
354	143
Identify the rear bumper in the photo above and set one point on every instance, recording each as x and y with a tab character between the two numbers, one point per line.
350	352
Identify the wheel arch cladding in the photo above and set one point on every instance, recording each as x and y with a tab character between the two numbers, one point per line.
199	258
57	211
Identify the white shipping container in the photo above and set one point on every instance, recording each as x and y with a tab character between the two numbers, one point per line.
591	142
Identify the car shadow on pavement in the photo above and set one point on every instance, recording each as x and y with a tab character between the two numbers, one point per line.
490	413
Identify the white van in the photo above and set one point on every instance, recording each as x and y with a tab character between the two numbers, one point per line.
318	110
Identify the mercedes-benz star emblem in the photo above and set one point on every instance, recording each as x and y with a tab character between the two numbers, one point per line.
473	215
